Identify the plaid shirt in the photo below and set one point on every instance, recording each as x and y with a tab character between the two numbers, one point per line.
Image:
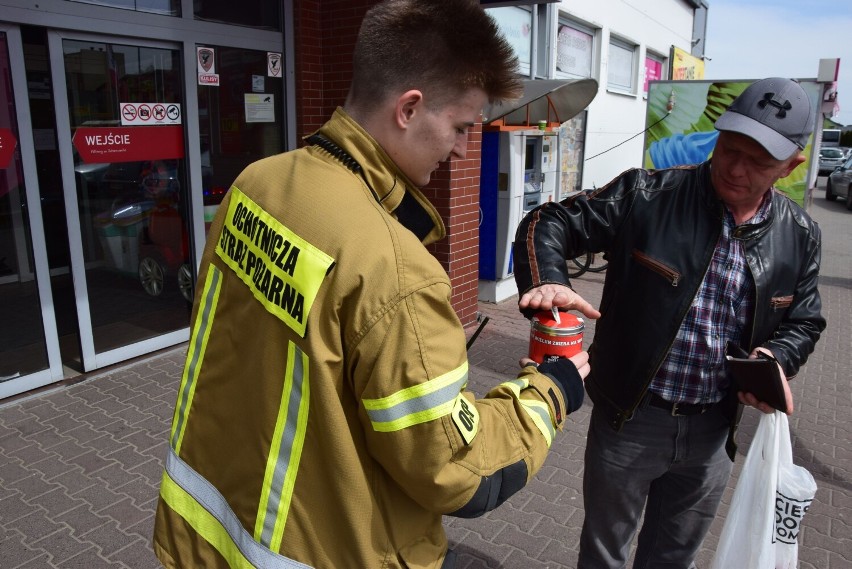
694	370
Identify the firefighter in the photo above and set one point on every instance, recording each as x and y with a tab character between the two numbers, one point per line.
323	419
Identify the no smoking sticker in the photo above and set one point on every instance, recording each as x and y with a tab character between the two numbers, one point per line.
150	113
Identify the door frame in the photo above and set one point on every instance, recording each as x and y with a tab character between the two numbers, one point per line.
91	359
42	272
75	19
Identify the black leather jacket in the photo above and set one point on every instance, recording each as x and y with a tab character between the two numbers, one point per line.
659	229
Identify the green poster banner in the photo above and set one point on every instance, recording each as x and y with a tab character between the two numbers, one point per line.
686	134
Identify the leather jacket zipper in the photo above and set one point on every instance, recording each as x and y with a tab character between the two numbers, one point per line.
780	302
670	274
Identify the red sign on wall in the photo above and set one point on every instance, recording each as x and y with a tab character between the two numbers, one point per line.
128	144
7	147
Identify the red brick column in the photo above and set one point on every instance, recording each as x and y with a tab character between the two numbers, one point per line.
454	190
326	31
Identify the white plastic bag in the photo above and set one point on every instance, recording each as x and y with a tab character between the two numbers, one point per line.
746	536
771	496
795	492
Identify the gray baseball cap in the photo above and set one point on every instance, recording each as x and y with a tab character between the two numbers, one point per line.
775	112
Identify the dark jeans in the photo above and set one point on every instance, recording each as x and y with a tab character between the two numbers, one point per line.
675	468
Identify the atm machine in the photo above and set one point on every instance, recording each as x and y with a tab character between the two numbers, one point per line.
520	169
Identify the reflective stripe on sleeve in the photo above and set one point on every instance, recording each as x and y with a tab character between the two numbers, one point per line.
206	510
538	411
286	450
417	404
197	347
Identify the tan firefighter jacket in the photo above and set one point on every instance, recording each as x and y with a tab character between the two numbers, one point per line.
322	418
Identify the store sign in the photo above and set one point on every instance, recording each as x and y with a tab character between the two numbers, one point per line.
685	66
128	144
8	142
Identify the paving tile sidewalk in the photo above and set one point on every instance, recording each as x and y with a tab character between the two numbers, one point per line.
80	465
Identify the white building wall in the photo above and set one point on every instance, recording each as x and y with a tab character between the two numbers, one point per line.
614	117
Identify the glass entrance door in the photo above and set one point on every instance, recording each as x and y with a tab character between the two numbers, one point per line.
119	113
29	353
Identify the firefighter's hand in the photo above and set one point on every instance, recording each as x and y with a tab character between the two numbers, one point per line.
547	296
569	373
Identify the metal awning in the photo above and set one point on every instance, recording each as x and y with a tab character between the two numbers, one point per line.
551	100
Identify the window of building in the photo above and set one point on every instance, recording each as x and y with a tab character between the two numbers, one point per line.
516	23
575	49
165	7
621	69
655	69
264	14
542	51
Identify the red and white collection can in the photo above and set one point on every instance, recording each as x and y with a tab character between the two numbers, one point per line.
550	339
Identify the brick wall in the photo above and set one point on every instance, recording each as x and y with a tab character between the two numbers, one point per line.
455	192
325	37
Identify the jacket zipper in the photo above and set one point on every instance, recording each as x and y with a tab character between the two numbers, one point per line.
780	302
658	267
675	277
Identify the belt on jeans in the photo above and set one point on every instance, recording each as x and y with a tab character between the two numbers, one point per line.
678	408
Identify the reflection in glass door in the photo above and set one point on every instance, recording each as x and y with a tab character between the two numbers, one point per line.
127	213
229	139
22	348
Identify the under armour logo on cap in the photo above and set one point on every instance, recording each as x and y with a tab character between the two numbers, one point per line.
769	99
777	113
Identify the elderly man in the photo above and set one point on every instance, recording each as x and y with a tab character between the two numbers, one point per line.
699	256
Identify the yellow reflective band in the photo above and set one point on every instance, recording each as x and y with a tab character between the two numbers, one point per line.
283	271
195	356
202	522
517	385
539	412
196	500
417	404
285	452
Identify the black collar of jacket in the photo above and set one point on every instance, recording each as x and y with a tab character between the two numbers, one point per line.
359	152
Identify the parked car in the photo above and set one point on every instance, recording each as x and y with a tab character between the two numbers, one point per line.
839	182
829	159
